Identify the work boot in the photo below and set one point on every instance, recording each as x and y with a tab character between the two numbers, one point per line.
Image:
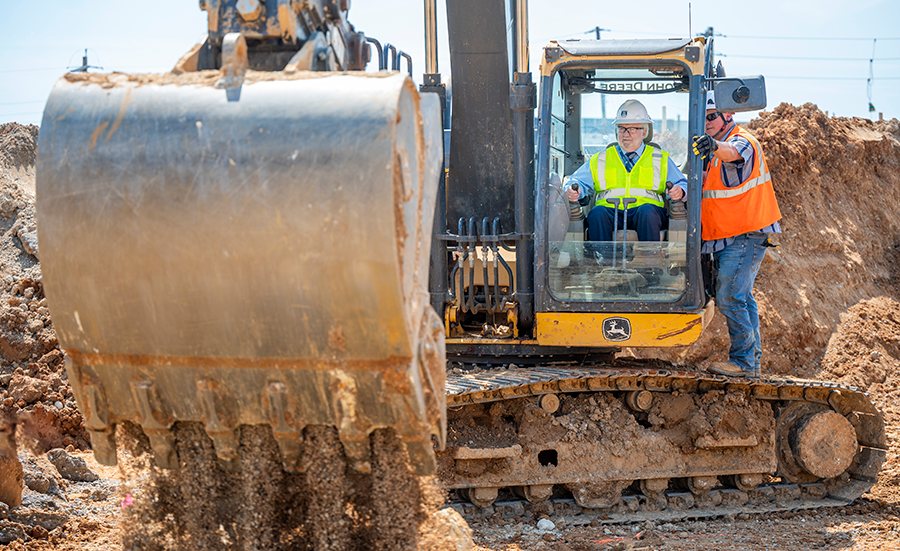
730	370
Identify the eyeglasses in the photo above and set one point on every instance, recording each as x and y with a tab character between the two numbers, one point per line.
630	129
712	116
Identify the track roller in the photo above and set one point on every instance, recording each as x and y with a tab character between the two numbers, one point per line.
744	482
535	493
482	497
701	484
653	486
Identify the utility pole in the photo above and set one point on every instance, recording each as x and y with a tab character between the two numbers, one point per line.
871	78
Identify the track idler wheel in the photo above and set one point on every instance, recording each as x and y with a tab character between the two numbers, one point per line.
823	444
814	443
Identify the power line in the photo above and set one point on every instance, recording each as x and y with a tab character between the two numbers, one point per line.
871	78
33	70
801	37
830	78
592	31
20	114
22	102
812	58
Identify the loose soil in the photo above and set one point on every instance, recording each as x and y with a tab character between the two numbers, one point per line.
829	310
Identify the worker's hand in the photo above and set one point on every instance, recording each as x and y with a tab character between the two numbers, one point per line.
572	194
705	146
676	193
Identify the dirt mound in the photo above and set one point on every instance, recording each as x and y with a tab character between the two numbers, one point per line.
833	178
18	144
34	388
865	350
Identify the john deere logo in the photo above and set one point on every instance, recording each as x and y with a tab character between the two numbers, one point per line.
616	329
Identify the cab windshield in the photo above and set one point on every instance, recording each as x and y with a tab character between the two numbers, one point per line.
589	260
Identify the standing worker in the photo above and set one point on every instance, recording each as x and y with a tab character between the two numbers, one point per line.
629	169
739	213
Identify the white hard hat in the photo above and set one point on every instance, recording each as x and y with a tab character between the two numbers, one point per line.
711	100
632	112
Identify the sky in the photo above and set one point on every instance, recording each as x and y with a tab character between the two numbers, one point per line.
815	51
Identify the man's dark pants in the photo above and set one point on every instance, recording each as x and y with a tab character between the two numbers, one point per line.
647	220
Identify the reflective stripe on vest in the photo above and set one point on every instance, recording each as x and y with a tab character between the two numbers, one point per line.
646	182
751	206
734	191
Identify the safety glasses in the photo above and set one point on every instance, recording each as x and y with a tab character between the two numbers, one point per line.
630	130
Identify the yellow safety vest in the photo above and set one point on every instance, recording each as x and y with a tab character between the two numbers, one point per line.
646	182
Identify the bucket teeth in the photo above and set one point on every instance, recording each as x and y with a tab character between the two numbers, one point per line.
104	444
156	424
103	439
287	436
222	435
95	414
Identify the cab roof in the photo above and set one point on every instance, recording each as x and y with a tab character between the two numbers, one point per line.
640	46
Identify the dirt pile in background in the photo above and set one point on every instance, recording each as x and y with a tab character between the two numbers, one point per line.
18	145
865	352
34	388
837	181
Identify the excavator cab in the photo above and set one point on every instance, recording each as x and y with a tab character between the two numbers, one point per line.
654	287
588	269
594	294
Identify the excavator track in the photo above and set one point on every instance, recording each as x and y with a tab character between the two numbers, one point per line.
721	489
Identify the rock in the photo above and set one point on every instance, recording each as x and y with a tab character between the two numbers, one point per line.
4	510
39	532
452	524
545	524
7	204
38	482
11	479
70	467
10	532
28	389
31	517
29	242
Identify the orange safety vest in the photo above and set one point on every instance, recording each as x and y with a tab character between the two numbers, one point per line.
730	211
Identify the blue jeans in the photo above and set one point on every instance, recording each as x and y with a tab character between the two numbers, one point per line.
737	266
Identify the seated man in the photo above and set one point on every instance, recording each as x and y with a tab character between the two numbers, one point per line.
629	169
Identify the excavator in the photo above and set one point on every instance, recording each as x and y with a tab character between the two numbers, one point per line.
270	238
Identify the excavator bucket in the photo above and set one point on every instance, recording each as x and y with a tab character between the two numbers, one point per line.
251	251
